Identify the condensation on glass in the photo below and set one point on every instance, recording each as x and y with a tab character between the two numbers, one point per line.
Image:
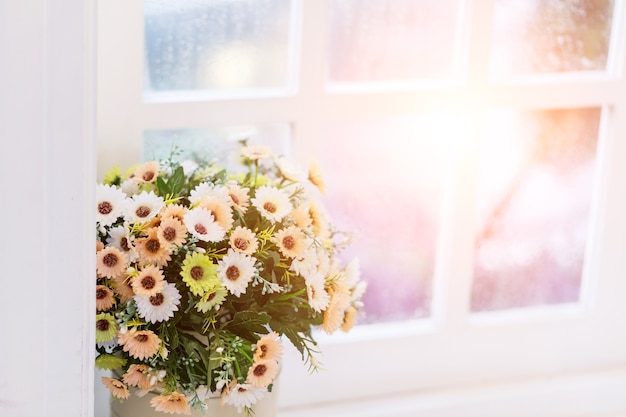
550	36
389	198
216	44
393	40
220	143
535	193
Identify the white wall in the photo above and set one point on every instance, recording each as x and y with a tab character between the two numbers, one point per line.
47	170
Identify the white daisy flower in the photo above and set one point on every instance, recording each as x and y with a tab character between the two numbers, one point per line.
121	238
130	186
144	207
244	395
318	297
272	203
209	191
201	224
236	270
110	204
189	167
305	265
159	307
352	273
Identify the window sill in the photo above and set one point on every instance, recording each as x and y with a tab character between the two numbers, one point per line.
584	394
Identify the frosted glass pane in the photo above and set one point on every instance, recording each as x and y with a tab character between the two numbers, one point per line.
209	143
384	181
547	36
535	198
216	44
384	40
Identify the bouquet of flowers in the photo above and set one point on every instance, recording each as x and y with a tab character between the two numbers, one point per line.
202	273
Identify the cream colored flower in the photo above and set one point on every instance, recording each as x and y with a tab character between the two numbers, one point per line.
140	344
268	348
149	282
174	403
291	241
153	250
243	240
221	211
316	177
118	388
262	373
256	152
239	197
104	298
147	172
173	231
272	203
111	262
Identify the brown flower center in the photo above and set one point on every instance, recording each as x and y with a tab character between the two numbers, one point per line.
101	293
270	207
232	273
110	260
211	296
105	207
103	325
234	198
157	300
263	349
124	244
141	338
200	229
169	233
148	175
241	244
241	389
196	272
153	245
289	242
148	282
142	211
260	370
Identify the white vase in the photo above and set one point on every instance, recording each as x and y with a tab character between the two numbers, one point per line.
140	407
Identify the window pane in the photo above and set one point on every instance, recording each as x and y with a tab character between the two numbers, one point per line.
216	44
547	36
535	198
218	142
384	40
390	198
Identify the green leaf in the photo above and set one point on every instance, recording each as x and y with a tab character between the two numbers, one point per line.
162	187
177	181
247	323
107	361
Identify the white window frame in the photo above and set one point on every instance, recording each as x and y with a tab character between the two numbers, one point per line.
549	361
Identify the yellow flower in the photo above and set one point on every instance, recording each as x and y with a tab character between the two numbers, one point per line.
199	273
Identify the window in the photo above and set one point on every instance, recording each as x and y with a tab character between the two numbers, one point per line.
481	170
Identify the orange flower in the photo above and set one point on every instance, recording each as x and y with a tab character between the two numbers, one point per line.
118	388
139	344
174	403
104	298
111	262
